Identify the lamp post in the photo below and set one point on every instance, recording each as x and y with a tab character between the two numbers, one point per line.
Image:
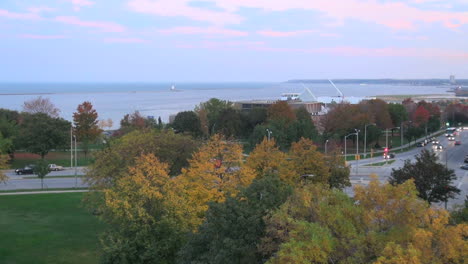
326	142
345	145
365	137
269	133
71	147
357	150
76	163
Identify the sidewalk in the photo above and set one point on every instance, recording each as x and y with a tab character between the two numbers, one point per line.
40	192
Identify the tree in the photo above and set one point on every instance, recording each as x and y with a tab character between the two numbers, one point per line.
229	123
39	133
281	111
3	165
432	179
232	229
85	120
379	112
304	126
397	113
41	105
143	229
304	163
421	116
103	124
41	169
212	109
266	158
339	172
187	122
112	163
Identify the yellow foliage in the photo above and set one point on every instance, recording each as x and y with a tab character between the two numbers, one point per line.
304	159
266	158
215	171
3	165
138	195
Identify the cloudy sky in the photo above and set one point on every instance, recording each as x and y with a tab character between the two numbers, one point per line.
231	40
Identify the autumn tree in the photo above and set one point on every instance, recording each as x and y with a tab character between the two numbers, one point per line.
281	111
41	105
398	114
215	172
112	163
142	229
432	179
105	123
39	133
420	116
3	165
232	229
379	112
134	121
305	163
381	224
266	158
85	121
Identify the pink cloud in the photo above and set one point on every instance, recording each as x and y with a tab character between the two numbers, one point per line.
32	36
271	33
181	8
78	4
101	25
41	9
395	15
125	40
204	31
13	15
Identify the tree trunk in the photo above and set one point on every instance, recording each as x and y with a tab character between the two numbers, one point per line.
42	183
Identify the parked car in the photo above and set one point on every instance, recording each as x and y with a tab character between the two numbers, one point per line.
28	169
420	144
458	142
54	167
466	160
464	167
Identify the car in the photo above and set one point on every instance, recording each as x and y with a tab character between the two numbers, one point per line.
420	144
466	160
54	167
435	142
457	143
439	147
464	167
28	169
451	138
389	156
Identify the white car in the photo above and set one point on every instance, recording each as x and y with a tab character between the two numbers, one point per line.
54	167
451	138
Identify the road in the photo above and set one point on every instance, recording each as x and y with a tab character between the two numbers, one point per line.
20	182
451	155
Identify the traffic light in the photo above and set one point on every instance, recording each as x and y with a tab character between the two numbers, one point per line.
386	150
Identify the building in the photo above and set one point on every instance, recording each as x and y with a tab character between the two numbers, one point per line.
452	79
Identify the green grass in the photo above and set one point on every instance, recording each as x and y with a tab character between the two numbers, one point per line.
47	228
380	163
61	158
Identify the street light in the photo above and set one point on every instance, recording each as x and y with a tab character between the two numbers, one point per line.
269	133
326	142
386	135
76	163
352	134
357	150
365	137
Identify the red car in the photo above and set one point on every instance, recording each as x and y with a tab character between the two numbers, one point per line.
458	142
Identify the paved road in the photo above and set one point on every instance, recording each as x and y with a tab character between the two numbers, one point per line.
452	155
20	182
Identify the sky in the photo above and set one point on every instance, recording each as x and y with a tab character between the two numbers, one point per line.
231	40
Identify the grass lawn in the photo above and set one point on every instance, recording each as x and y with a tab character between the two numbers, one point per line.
61	158
381	163
47	228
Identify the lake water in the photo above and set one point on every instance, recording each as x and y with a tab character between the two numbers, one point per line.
114	100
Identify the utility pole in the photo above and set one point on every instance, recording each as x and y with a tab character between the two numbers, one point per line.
326	142
357	151
76	163
71	147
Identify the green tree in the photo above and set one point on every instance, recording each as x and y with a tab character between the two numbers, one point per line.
3	165
339	172
432	179
460	214
39	133
41	169
304	127
232	229
187	122
229	123
397	113
85	120
212	109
